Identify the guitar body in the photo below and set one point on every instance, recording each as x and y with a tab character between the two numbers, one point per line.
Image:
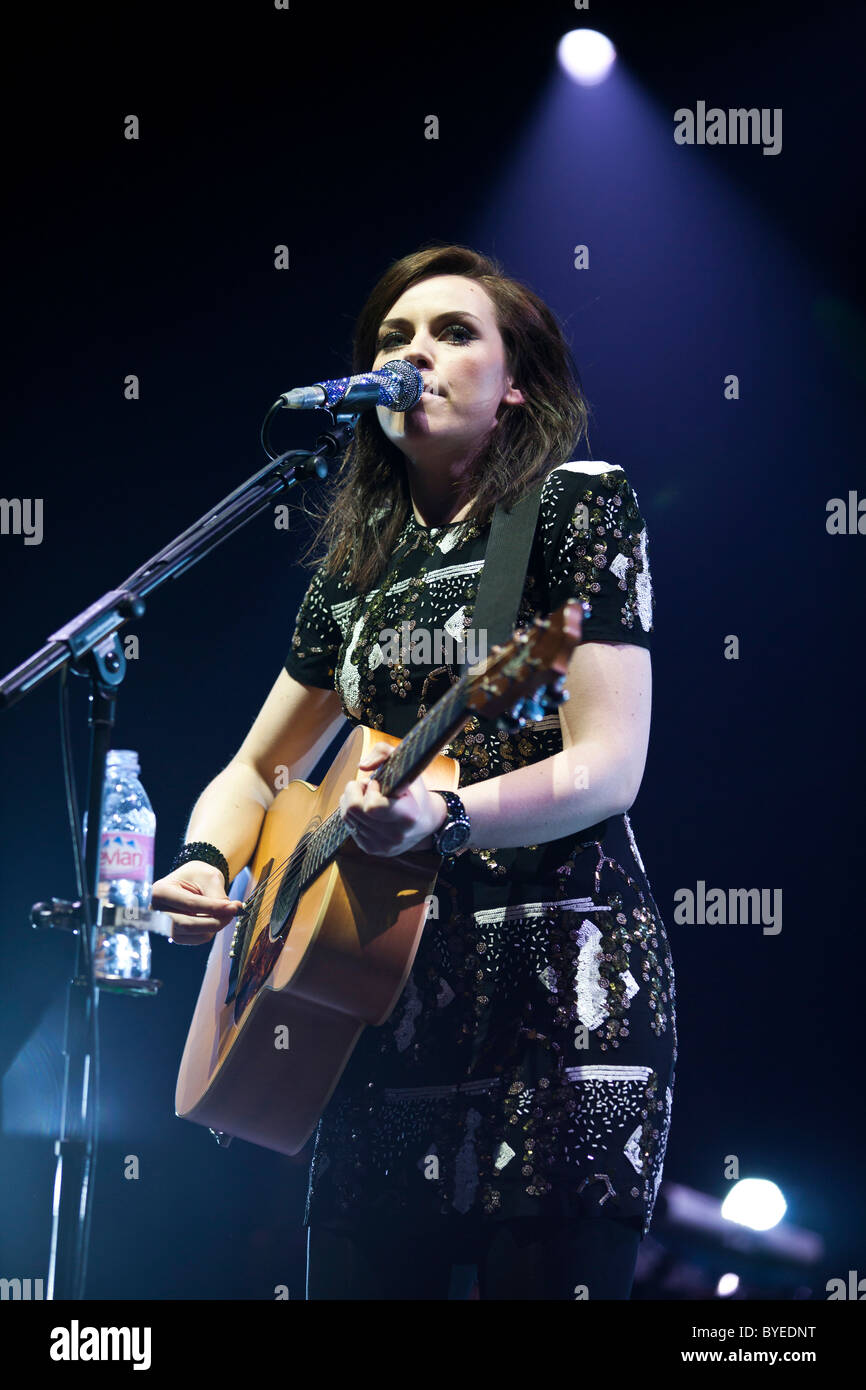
263	1064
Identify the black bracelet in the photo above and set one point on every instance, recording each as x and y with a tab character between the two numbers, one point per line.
209	854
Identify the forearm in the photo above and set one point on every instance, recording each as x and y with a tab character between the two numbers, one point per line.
558	796
229	814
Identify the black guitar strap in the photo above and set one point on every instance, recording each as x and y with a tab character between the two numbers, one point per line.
505	564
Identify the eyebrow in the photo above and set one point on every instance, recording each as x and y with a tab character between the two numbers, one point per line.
448	314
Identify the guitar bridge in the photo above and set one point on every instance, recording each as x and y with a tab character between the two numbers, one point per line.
235	939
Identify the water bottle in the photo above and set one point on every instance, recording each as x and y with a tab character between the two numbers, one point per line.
125	869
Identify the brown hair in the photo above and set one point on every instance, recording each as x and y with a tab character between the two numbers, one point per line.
370	499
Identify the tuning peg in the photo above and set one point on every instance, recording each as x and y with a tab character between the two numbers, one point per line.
556	694
533	709
511	720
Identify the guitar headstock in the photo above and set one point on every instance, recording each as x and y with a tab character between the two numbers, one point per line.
508	685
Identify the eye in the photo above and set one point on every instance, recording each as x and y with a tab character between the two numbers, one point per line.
388	342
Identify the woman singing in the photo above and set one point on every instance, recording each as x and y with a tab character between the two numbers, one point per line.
513	1111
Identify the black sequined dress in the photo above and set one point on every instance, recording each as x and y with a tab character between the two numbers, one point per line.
528	1066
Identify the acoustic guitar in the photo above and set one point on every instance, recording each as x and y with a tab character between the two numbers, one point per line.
326	938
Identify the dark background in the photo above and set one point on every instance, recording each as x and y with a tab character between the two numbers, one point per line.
155	257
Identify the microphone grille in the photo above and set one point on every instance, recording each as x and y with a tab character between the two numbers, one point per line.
408	385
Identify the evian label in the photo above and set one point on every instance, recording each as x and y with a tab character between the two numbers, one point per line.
124	854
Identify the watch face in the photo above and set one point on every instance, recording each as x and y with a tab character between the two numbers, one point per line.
452	838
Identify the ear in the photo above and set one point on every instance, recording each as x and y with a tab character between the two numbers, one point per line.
513	396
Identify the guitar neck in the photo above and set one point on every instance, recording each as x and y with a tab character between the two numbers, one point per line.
410	757
424	741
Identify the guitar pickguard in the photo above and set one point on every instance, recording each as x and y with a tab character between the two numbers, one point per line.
273	920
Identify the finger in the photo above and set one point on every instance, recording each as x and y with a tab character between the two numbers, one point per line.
373	798
211	921
183	937
361	796
203	923
191	926
371	813
377	811
187	895
351	800
379	753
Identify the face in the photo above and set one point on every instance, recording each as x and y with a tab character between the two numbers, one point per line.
446	327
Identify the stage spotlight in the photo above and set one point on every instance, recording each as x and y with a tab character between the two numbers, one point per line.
754	1202
586	55
728	1284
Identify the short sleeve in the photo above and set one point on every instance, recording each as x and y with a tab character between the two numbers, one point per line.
594	542
312	658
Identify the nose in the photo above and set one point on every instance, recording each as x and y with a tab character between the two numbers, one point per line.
417	356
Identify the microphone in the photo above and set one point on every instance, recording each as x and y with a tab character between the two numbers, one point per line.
398	386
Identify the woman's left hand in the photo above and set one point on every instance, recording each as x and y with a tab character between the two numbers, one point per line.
395	825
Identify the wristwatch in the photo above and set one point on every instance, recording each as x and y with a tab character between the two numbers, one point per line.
453	834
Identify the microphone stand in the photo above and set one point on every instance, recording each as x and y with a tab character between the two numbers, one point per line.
88	645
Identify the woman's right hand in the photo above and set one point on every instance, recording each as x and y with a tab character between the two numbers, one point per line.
194	898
